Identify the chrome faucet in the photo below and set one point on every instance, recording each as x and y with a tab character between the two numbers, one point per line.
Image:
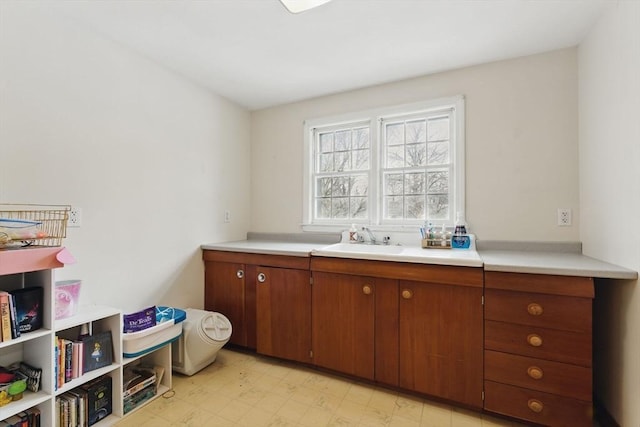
372	237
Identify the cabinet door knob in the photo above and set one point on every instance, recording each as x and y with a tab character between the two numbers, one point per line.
407	294
262	277
535	405
534	309
534	340
366	289
240	274
535	372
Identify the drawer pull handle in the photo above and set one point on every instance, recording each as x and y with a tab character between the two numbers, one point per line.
262	277
534	340
240	274
366	289
535	372
535	405
407	294
534	309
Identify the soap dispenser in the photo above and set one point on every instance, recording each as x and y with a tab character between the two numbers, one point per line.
353	234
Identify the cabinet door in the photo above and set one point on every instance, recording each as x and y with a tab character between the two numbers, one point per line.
441	341
343	323
224	292
283	307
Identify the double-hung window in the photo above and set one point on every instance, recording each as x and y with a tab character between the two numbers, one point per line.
392	167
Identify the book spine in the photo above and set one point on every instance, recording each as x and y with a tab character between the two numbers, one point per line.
5	317
15	330
75	360
56	365
68	359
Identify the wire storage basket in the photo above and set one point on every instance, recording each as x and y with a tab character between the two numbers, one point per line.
32	225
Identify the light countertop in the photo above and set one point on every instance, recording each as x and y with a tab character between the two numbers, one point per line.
545	260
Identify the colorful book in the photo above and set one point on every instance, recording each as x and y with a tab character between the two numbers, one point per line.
29	313
68	360
98	351
5	316
15	331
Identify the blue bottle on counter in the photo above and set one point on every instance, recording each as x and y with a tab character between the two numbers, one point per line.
460	238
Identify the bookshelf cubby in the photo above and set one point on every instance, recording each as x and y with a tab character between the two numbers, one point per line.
20	268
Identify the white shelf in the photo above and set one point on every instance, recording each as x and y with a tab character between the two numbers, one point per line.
36	269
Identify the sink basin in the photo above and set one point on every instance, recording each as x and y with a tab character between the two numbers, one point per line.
362	248
415	254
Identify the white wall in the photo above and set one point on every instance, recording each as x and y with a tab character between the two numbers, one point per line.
609	91
152	159
522	145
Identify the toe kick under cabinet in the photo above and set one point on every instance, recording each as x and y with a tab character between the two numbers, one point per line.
538	347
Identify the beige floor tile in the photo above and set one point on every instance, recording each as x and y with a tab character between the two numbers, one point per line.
234	411
245	390
316	417
436	415
293	410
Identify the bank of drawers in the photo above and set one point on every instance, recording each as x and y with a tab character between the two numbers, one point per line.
538	345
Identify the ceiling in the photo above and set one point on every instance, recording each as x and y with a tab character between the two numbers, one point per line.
257	54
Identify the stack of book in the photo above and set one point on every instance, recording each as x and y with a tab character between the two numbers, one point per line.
28	418
20	312
85	405
74	358
140	383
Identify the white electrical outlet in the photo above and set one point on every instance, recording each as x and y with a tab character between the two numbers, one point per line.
564	217
227	216
75	217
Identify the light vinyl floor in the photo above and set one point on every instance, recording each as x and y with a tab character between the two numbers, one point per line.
241	389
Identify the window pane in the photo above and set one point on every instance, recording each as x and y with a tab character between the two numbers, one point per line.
416	131
343	140
414	207
395	134
340	186
438	129
323	187
326	163
414	183
360	159
343	161
393	184
359	185
395	157
340	208
359	207
438	207
438	153
326	142
323	208
393	207
438	182
416	155
360	138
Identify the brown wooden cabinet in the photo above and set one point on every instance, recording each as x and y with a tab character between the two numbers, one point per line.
441	339
283	313
538	347
267	298
352	317
410	325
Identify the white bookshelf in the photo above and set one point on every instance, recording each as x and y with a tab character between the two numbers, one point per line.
35	267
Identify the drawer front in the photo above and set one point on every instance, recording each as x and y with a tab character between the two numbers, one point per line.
547	311
537	374
536	406
541	343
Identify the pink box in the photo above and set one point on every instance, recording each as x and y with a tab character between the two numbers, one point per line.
67	296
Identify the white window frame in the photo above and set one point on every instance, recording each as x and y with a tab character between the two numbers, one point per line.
374	117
